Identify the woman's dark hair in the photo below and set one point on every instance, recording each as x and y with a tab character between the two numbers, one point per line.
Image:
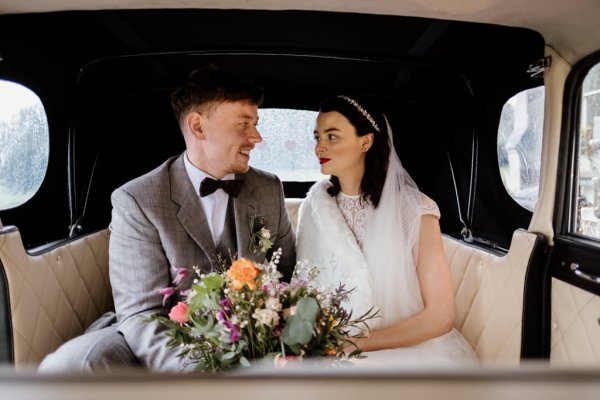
366	119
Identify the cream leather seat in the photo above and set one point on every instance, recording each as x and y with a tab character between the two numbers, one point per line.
56	294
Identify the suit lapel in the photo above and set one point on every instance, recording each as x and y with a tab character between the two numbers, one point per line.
244	206
191	215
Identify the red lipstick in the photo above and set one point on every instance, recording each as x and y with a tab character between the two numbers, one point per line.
324	160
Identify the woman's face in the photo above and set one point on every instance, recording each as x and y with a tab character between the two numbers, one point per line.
341	152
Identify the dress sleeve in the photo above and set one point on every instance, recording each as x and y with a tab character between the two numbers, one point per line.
430	207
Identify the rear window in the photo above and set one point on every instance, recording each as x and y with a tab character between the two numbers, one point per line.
520	145
24	144
288	147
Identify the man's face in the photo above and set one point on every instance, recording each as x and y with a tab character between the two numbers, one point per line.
230	134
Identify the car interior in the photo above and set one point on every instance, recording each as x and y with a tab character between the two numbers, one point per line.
105	75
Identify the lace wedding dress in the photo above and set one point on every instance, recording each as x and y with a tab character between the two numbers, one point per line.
331	233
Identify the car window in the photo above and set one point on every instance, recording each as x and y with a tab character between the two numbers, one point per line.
587	216
287	148
24	144
520	145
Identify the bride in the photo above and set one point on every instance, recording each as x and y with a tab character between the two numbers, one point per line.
370	228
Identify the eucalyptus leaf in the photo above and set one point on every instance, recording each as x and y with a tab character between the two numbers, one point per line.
299	327
244	362
295	348
307	308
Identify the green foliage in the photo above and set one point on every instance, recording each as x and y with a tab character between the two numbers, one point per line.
299	327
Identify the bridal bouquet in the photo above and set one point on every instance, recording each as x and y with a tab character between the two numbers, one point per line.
244	313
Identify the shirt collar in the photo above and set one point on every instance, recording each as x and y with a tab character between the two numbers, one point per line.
197	175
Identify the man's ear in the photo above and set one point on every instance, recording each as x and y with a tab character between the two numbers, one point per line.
194	124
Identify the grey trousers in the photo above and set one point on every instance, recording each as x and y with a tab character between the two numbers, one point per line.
100	348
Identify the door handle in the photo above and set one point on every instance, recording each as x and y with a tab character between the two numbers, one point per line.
584	275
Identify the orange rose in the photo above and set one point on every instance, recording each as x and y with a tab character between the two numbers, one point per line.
179	313
331	351
243	272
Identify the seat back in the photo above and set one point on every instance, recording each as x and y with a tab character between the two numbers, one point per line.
52	295
488	292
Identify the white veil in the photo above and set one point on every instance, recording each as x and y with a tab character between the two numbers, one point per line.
390	244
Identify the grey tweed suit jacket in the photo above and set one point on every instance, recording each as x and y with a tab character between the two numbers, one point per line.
157	224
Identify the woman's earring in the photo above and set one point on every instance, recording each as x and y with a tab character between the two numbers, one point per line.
364	148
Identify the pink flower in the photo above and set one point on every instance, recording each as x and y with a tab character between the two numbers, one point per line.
179	313
276	331
182	273
234	331
166	292
235	334
225	304
281	361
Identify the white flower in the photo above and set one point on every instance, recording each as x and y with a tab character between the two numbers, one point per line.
273	303
266	317
266	234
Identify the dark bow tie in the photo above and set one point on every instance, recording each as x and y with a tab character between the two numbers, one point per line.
232	187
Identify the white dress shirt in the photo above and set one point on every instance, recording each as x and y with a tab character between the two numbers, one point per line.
215	204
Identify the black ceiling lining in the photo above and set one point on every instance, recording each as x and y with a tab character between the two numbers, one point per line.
122	109
436	79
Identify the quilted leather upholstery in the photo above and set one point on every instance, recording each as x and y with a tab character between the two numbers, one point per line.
54	296
489	296
575	337
292	205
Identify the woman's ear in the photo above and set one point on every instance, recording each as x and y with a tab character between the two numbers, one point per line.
194	124
367	141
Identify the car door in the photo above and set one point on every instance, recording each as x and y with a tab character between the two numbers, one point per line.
574	267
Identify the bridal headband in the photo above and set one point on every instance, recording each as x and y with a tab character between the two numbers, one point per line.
361	110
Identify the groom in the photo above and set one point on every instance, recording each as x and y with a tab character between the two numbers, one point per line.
184	213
